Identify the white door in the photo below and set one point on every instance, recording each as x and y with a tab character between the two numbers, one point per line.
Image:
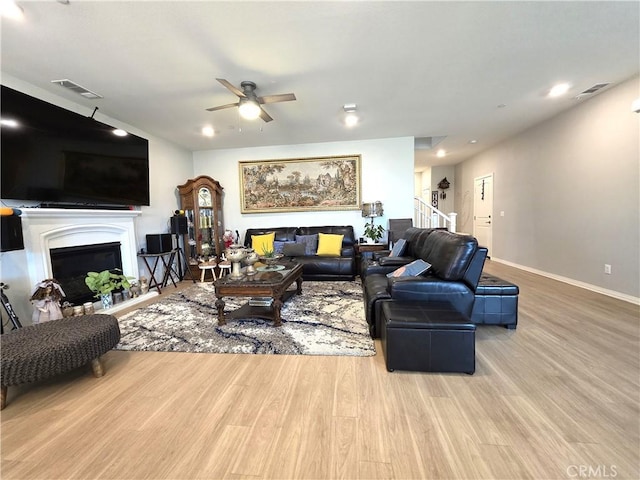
483	210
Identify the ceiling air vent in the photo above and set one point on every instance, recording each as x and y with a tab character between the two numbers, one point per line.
592	90
74	87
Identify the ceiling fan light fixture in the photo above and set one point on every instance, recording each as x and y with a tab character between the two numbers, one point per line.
249	109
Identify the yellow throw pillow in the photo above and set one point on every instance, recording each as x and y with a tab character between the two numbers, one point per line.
263	243
329	244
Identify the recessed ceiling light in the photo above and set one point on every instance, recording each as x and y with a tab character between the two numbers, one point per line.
120	133
473	142
559	89
441	153
9	123
208	131
10	9
351	118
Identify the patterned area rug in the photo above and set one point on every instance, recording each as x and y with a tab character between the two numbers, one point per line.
327	319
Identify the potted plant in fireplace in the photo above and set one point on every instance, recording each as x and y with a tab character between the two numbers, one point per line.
104	283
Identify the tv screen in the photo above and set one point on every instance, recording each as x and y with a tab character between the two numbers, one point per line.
53	155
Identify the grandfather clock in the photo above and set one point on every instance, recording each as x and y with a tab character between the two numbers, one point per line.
201	200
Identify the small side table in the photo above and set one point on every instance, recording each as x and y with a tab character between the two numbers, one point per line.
211	266
225	267
166	260
370	247
365	250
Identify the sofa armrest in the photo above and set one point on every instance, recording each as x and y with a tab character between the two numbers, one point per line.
433	289
395	261
380	254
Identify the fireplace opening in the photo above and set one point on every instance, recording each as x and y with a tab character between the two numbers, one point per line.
71	264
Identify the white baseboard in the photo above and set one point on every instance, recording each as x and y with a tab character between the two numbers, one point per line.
571	281
126	304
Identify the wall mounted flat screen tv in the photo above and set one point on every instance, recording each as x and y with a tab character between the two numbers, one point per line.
54	156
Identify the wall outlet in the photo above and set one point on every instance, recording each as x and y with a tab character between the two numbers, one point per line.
607	269
502	213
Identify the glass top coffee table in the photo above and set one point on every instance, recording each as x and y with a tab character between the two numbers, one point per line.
264	285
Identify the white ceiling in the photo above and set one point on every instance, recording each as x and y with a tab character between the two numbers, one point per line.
423	69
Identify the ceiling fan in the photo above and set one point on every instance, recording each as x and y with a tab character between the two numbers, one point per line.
249	104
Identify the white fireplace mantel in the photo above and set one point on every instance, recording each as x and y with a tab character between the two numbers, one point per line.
47	228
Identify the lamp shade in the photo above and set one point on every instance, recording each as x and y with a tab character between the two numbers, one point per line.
372	209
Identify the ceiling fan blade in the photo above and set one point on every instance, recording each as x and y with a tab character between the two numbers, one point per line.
283	97
264	115
231	87
228	105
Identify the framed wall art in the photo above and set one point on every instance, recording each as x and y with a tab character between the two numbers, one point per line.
300	184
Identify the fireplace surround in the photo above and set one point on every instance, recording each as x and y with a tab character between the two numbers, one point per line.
52	228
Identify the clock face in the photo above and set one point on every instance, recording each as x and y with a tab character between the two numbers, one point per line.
204	197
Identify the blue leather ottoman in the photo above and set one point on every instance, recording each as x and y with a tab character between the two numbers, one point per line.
427	337
496	302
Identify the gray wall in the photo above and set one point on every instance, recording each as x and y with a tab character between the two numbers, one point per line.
569	188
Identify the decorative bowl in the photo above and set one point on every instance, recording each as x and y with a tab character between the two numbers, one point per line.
236	253
272	260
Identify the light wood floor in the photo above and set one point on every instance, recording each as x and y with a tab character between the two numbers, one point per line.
556	398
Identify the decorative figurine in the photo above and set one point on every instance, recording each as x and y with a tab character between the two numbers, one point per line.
228	239
144	285
135	289
46	301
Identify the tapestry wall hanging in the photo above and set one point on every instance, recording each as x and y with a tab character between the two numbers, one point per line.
300	185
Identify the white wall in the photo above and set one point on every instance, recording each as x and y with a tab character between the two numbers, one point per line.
422	187
569	188
387	175
170	166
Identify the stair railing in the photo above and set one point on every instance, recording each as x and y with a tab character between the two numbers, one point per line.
427	216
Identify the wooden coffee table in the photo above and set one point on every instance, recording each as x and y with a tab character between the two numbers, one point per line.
266	284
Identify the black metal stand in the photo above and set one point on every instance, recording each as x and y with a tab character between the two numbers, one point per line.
181	261
8	308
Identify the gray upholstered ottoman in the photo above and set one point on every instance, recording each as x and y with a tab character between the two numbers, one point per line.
41	351
496	302
427	337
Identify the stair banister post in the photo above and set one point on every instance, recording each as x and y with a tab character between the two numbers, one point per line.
453	222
